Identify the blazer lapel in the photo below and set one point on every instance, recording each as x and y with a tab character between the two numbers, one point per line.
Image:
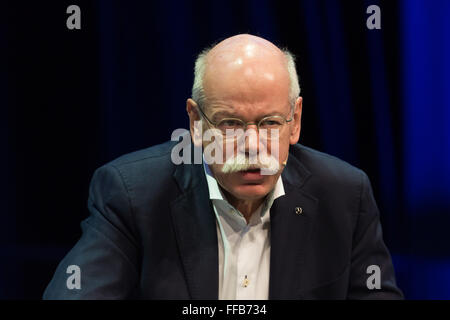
195	228
291	221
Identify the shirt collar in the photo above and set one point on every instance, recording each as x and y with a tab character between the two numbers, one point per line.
214	191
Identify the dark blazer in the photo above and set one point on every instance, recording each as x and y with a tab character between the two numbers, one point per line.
151	233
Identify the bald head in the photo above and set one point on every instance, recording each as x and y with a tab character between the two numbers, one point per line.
244	48
247	66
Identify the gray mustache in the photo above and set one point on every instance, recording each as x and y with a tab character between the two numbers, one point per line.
268	164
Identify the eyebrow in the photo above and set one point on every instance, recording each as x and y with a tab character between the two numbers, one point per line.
224	114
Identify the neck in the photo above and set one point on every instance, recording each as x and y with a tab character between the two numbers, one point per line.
246	207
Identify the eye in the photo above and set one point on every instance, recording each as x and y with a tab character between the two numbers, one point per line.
230	124
271	122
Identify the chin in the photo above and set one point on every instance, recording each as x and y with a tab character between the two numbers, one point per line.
250	191
248	185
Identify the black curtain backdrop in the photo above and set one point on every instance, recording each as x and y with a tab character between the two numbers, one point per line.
72	100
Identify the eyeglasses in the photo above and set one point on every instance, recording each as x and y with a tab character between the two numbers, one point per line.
234	127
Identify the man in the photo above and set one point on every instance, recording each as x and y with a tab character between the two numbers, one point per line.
307	228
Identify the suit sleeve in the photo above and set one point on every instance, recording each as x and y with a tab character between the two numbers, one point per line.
370	256
107	252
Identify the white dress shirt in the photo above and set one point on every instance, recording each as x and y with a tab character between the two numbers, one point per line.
244	249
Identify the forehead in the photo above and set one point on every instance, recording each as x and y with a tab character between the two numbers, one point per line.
247	71
246	78
253	87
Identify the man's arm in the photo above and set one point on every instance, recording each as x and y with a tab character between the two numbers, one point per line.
369	251
107	253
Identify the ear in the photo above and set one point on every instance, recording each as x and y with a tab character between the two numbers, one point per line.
195	124
296	123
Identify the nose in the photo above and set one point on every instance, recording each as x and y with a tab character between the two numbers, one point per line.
251	139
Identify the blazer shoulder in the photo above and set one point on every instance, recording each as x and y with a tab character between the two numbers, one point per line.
139	167
324	165
153	153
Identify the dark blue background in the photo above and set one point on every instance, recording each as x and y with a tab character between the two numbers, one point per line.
73	100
